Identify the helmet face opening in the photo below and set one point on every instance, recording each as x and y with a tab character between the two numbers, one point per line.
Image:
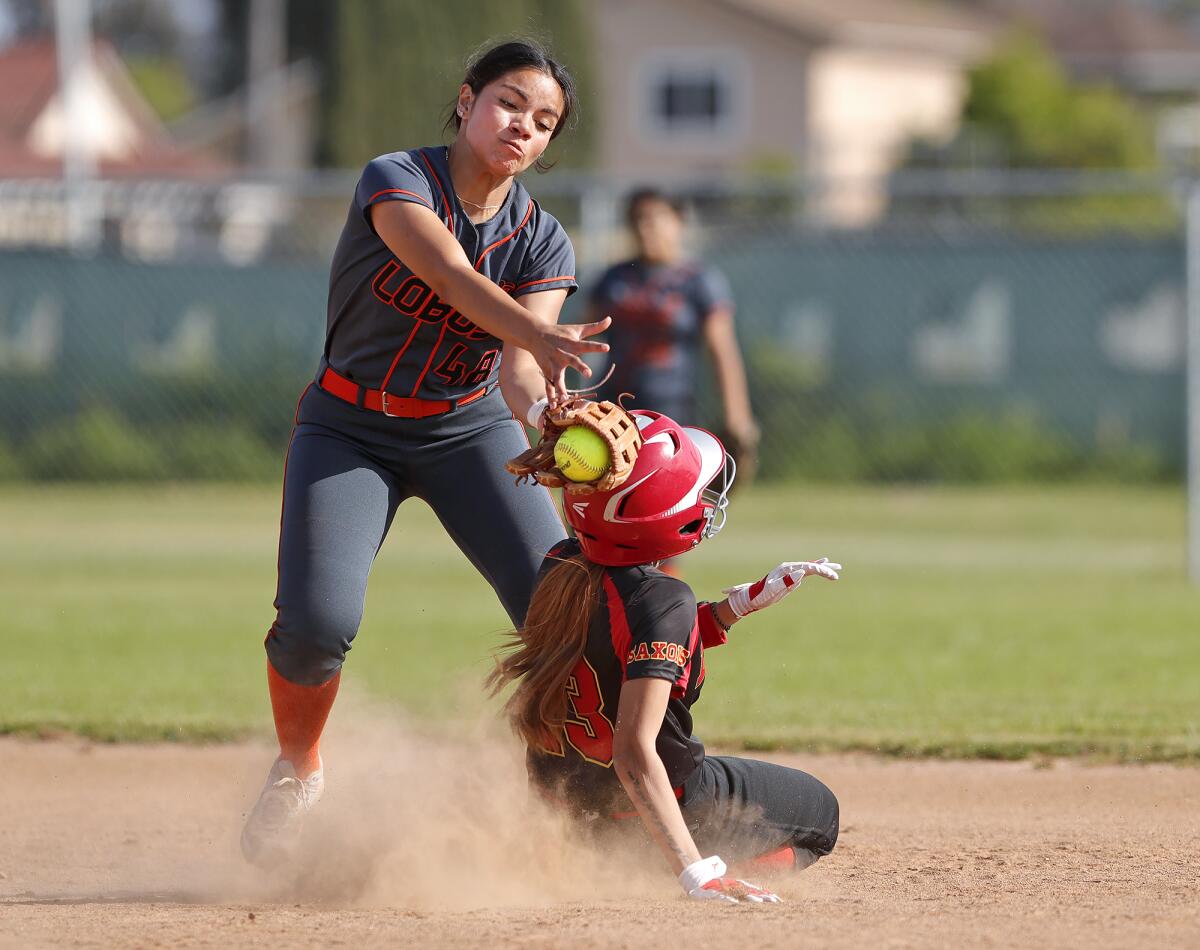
718	498
676	496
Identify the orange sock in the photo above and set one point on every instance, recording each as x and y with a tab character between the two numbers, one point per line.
671	566
783	859
300	714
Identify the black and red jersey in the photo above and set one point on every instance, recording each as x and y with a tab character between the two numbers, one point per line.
644	625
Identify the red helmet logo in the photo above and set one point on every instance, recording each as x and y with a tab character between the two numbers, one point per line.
663	507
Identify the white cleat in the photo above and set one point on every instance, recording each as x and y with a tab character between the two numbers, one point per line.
272	832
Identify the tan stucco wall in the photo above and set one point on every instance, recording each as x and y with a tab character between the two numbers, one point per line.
864	106
630	33
840	111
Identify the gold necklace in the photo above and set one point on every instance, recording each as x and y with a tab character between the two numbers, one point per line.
467	201
486	209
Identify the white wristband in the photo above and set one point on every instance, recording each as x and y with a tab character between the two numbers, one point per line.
534	416
699	873
739	600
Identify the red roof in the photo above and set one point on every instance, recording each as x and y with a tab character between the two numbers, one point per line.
29	78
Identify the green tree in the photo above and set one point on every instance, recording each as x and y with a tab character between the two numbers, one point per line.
1026	105
1023	111
164	84
395	67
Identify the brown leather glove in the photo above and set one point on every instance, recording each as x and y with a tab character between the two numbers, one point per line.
614	425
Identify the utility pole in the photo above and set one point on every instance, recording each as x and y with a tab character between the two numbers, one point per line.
1192	365
266	58
73	44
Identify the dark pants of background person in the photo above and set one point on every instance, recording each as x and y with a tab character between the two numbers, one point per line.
347	472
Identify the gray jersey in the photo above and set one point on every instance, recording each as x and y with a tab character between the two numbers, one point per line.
386	329
658	324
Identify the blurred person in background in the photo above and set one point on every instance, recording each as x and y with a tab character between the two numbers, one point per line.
665	307
442	331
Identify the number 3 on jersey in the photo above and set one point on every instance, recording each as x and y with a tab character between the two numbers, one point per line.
589	731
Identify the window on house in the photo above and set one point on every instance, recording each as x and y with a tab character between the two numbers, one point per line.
691	101
688	94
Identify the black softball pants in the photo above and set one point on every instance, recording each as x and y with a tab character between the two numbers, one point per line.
741	808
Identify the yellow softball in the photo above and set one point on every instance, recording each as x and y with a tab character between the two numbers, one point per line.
581	455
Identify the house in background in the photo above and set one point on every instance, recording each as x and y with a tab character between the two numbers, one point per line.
122	136
156	193
700	88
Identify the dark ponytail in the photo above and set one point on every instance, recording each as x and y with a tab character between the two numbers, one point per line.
491	63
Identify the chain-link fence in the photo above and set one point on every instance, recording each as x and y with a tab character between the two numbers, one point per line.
987	326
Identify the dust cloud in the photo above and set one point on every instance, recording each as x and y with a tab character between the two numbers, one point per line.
446	822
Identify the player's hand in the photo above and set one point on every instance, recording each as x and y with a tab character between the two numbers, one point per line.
747	598
743	433
734	891
559	347
705	881
741	441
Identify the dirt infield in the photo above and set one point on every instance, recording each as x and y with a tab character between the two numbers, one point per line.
418	846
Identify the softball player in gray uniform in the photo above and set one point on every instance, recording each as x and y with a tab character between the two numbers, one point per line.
444	296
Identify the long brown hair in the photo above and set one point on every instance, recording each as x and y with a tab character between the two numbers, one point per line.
542	653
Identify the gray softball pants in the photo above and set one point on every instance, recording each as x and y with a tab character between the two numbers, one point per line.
347	472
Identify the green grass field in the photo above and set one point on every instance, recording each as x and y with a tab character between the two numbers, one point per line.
992	622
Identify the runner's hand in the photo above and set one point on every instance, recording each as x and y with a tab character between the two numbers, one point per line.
734	891
705	880
747	598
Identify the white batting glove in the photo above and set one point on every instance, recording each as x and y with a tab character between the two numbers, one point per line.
535	413
747	598
705	880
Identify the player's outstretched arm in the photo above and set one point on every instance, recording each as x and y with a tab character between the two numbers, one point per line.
772	588
525	389
640	712
419	238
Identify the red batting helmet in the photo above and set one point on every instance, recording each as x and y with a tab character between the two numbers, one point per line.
664	507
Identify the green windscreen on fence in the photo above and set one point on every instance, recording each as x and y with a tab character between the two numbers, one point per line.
899	357
872	356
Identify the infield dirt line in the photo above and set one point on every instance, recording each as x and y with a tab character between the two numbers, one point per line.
428	846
